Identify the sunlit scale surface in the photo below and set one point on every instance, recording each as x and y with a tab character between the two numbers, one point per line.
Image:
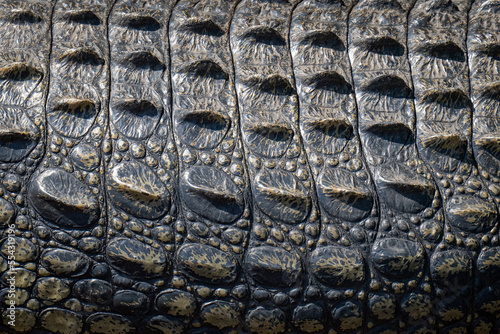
256	166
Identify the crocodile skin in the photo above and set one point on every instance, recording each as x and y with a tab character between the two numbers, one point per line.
253	166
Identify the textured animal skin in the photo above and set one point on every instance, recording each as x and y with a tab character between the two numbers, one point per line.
253	166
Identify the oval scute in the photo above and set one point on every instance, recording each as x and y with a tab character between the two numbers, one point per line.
73	117
24	249
62	262
326	134
63	199
343	195
212	194
203	129
207	264
18	134
471	214
135	119
309	318
266	321
160	324
86	156
268	139
7	212
51	289
348	315
220	314
274	266
488	300
403	189
130	302
105	323
488	264
176	303
453	146
135	258
137	190
453	267
61	321
336	266
94	291
282	196
398	258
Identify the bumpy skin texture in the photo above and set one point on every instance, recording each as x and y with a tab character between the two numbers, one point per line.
255	166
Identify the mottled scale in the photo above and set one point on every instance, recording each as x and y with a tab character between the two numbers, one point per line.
67	191
437	52
346	194
483	45
24	67
141	165
285	210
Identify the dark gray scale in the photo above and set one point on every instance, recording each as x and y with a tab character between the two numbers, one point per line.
437	52
346	194
411	216
483	48
141	167
67	192
24	63
286	219
214	186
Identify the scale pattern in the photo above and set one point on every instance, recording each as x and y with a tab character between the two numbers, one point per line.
249	166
